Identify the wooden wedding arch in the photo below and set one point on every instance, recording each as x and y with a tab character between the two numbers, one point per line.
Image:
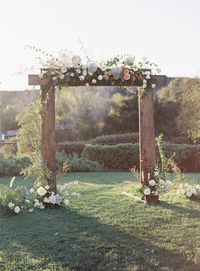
147	150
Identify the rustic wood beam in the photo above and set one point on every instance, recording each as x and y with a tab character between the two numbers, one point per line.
146	136
48	145
158	80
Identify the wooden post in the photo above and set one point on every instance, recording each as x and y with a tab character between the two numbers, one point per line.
48	148
146	136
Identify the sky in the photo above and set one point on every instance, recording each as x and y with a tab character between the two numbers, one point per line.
165	31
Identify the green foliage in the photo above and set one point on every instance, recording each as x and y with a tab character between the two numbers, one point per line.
30	129
116	139
9	146
11	165
77	164
120	156
74	147
8	118
11	198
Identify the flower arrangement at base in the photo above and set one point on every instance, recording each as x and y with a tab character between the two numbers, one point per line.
189	191
14	200
43	197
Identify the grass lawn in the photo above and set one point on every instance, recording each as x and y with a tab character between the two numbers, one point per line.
103	230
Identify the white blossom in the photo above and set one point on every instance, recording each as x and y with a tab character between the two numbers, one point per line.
152	183
100	77
64	70
66	201
161	181
72	74
40	75
147	191
188	193
61	76
153	85
116	70
84	72
82	78
168	183
76	60
94	81
32	190
198	187
11	205
47	187
30	210
17	209
41	191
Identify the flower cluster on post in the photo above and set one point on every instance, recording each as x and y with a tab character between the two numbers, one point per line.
117	71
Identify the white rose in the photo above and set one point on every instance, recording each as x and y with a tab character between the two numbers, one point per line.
92	67
17	209
76	60
61	76
100	77
46	200
168	183
82	78
11	205
41	191
58	199
193	191
94	81
152	183
153	85
189	193
52	199
84	73
198	187
66	201
63	70
47	187
129	61
147	191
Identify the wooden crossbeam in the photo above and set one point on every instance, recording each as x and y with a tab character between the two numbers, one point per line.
159	80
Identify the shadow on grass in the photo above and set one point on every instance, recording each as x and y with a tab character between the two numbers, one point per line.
74	241
188	212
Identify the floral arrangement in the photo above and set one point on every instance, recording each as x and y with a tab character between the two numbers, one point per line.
189	191
45	198
120	70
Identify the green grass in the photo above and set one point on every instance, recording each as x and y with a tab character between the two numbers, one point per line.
103	230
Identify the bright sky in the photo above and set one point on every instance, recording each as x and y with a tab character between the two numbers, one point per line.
166	32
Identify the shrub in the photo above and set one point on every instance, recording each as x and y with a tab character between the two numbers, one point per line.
125	156
120	156
116	139
77	164
72	147
12	164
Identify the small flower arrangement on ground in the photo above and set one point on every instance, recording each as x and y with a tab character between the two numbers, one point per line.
189	191
14	201
43	197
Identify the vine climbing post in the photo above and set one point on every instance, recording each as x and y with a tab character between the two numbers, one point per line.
146	136
48	147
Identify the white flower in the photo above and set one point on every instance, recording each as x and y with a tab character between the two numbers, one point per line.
92	67
147	191
72	74
55	78
84	72
198	187
47	187
153	85
116	70
144	81
100	77
30	210
17	209
41	191
61	76
94	81
78	71
76	60
148	76
161	181
40	75
189	193
152	183
156	193
46	200
27	201
193	191
32	190
82	78
11	205
66	201
52	199
58	199
87	84
63	70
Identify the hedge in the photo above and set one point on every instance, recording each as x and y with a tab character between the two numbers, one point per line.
116	139
125	156
71	147
120	156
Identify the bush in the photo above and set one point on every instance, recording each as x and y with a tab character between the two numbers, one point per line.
125	156
73	147
77	164
120	156
116	139
187	156
12	164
